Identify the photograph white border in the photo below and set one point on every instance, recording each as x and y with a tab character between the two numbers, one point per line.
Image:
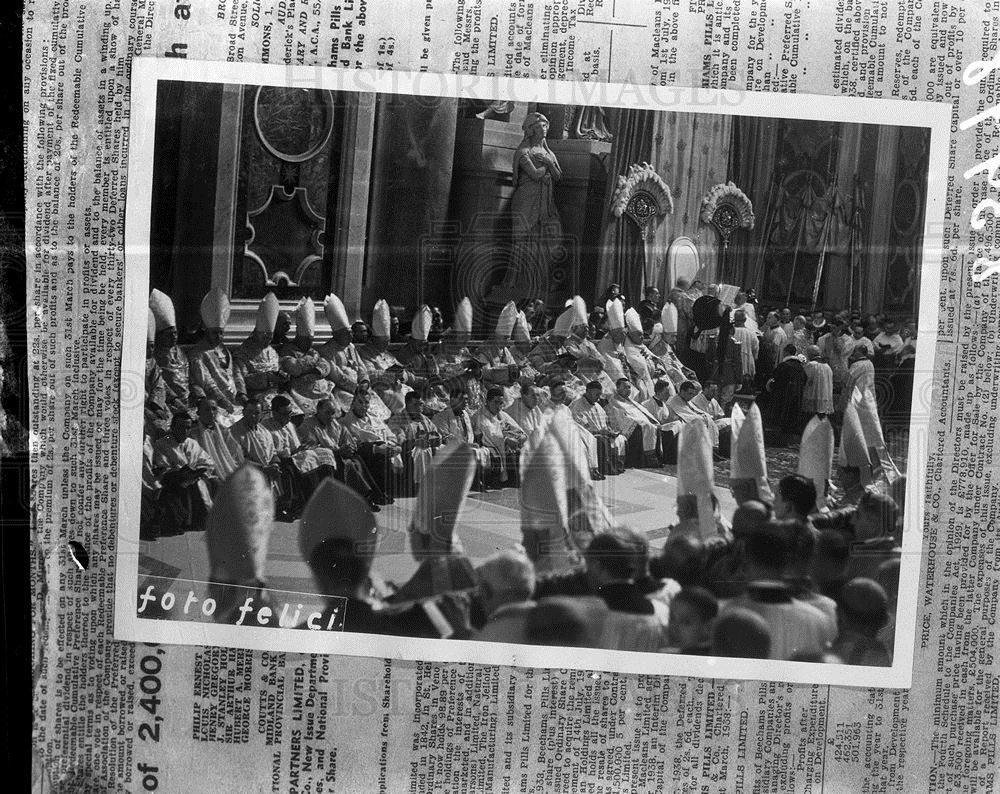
146	72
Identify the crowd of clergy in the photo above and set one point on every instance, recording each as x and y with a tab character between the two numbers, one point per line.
280	428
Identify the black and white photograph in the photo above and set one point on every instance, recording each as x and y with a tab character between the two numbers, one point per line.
524	372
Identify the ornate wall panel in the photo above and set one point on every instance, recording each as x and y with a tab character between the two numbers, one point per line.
288	171
906	222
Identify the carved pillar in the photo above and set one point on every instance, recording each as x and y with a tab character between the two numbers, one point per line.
226	182
872	272
350	215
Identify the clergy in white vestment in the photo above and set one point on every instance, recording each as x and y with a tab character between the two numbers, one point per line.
860	375
683	410
497	431
525	410
216	440
254	440
323	430
417	434
560	400
643	366
211	364
455	422
256	366
817	397
628	415
346	367
184	472
306	368
172	360
307	456
663	390
749	346
590	414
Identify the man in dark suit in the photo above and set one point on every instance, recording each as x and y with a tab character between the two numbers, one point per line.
783	405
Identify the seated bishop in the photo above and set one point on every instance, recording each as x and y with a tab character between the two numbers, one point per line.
211	364
345	363
169	357
256	366
500	434
307	370
639	427
187	477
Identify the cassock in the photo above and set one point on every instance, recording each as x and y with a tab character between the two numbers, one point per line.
613	357
527	418
368	429
256	443
256	371
459	425
861	374
419	437
749	348
659	410
182	469
500	434
220	446
331	436
625	414
817	396
173	364
335	438
784	403
307	372
772	345
286	440
212	376
157	414
641	371
374	437
710	407
594	419
684	412
346	368
583	436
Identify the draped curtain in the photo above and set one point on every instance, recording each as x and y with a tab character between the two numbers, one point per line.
752	168
414	149
622	255
182	230
691	154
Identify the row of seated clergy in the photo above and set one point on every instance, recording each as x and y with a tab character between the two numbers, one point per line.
176	380
631	433
295	460
377	458
337	368
303	376
493	434
361	449
373	458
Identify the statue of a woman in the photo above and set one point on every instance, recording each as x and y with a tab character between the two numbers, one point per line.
536	230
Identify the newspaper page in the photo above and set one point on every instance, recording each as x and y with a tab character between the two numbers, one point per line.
250	712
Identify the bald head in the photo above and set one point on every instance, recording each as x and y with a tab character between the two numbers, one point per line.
863	604
682	560
741	633
750	516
